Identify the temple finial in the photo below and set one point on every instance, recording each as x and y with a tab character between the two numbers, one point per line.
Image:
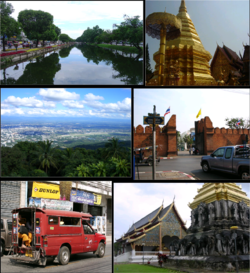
183	6
174	198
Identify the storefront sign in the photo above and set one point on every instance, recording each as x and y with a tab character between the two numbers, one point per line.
98	223
98	199
82	197
51	204
42	190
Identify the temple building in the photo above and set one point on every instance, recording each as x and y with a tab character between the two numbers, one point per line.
186	60
155	231
226	65
245	80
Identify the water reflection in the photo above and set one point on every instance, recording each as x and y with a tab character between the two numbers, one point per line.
78	65
42	71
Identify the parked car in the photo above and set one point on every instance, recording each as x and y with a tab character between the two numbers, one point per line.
229	159
56	233
6	231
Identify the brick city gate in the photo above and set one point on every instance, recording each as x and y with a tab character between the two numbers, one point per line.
166	138
208	138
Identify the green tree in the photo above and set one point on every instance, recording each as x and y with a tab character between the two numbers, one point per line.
131	30
12	161
188	139
58	32
122	167
35	23
113	148
148	66
65	38
50	34
9	26
231	123
46	155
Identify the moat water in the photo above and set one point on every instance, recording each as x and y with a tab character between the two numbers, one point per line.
82	64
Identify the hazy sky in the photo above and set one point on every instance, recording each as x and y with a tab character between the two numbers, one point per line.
215	21
73	17
133	201
68	102
218	104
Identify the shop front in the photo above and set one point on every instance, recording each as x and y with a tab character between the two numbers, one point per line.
90	203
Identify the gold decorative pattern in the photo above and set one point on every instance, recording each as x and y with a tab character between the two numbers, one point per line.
211	192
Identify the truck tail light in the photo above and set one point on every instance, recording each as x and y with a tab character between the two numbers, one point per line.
45	241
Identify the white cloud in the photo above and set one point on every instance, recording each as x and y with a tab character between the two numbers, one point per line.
73	104
58	94
82	11
26	102
15	111
91	96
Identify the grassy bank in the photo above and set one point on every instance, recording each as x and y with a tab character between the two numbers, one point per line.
130	49
141	268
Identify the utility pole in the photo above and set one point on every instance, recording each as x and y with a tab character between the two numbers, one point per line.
153	145
153	119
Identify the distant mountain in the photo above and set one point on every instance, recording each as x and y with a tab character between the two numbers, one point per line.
17	119
126	144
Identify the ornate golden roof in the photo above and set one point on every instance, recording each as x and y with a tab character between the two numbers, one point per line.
211	192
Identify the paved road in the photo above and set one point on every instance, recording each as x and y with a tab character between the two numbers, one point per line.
87	263
189	164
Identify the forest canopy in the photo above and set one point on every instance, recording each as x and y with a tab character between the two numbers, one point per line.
41	159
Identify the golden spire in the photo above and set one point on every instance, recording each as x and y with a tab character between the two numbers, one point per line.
211	192
183	6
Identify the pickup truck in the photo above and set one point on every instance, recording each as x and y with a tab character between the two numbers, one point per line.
6	231
229	159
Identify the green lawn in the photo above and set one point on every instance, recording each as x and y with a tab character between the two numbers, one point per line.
120	268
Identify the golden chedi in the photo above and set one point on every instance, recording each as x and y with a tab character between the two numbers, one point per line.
186	60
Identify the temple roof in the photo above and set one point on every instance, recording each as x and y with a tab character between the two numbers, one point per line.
144	220
230	56
141	227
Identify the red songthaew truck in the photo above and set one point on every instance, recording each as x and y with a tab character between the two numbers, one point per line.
56	233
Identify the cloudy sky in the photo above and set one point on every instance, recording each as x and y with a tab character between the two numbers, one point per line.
215	22
68	102
218	104
133	201
73	17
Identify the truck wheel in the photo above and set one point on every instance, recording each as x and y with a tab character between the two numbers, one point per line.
244	174
63	255
2	248
205	167
101	250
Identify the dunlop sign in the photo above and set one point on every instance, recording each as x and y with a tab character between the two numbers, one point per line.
42	190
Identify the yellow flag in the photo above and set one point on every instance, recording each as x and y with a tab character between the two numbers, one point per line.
199	113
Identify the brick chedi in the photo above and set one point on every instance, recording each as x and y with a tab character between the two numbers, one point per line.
165	138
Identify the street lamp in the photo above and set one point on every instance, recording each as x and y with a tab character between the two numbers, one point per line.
143	244
235	235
